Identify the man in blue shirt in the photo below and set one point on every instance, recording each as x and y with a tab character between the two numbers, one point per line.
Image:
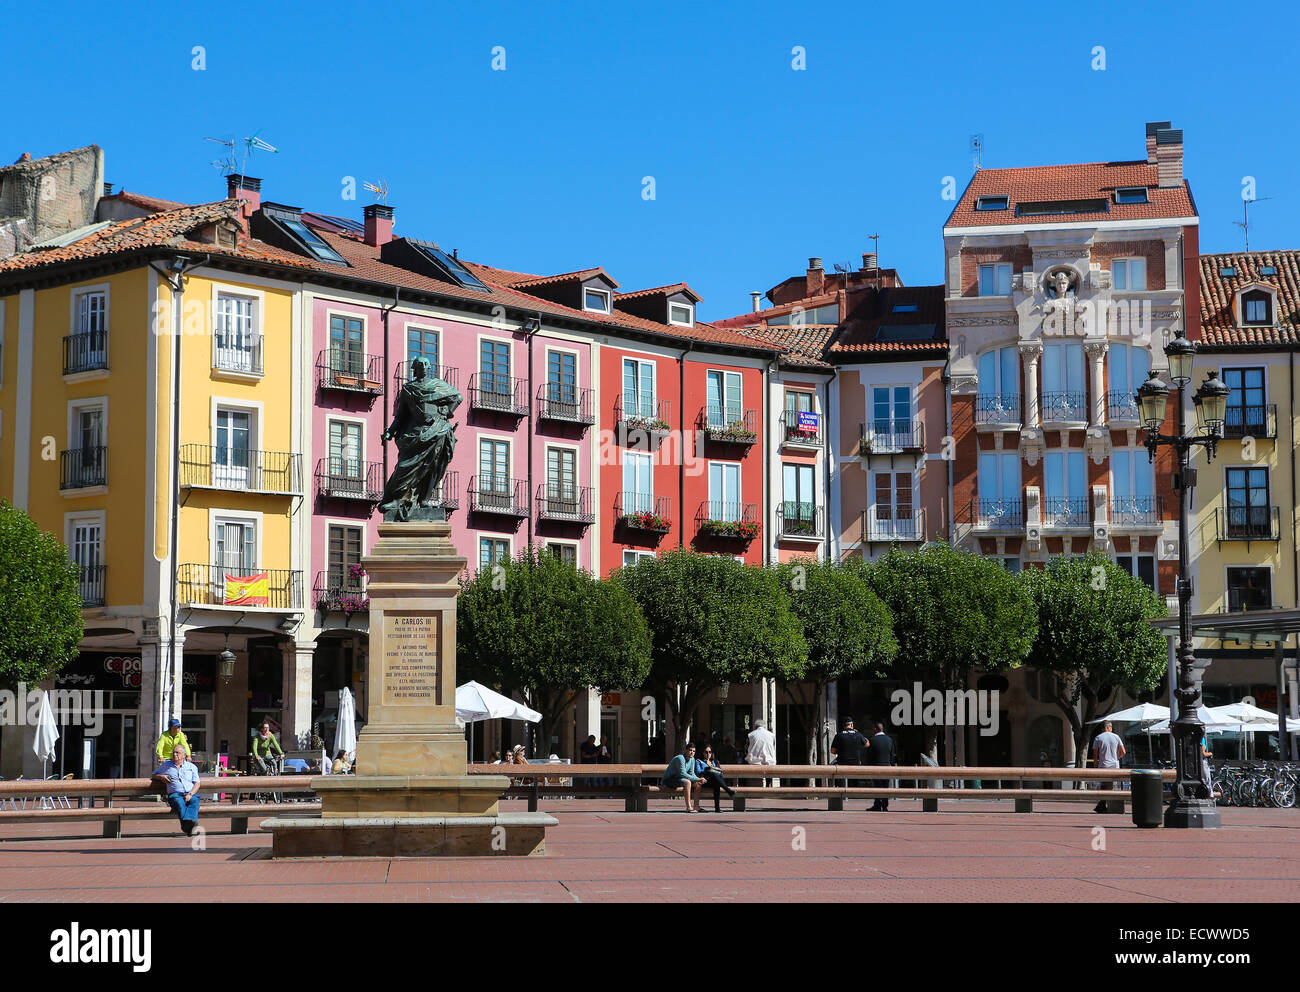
182	780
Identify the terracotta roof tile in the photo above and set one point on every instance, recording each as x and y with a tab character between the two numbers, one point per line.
800	345
151	203
1219	328
578	276
677	287
872	310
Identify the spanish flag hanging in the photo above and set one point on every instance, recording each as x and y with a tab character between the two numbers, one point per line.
248	590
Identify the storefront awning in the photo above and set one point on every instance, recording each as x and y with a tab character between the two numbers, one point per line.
1244	627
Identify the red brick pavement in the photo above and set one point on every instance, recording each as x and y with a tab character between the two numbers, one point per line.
977	852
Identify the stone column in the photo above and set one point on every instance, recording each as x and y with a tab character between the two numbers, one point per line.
1096	352
1030	354
296	688
586	714
160	692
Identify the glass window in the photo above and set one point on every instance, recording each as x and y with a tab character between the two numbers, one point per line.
494	366
724	491
562	480
632	557
723	406
1245	413
991	203
1250	589
344	549
638	483
567	553
1255	307
345	450
1131	194
999	380
92	313
681	313
995	279
595	299
346	345
799	493
494	466
1128	367
492	551
561	377
1129	273
998	481
236	551
1248	505
1064	396
638	388
422	342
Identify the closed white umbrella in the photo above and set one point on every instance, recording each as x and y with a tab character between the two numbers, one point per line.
47	734
345	732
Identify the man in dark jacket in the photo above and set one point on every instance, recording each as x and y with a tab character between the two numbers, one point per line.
880	751
848	746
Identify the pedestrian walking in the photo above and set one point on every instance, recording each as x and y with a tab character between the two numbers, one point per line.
1107	749
880	751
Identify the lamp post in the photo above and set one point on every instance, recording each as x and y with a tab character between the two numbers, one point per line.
1193	806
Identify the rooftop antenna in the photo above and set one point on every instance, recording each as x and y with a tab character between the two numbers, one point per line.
875	250
380	190
977	149
252	143
1244	223
226	164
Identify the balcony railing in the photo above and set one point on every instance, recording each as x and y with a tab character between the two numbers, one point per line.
1128	512
725	519
245	586
635	414
1247	523
890	523
498	494
498	394
729	424
91	584
1060	511
447	373
565	503
889	437
85	352
794	431
81	468
447	494
996	513
997	408
568	403
350	371
1250	421
643	511
209	466
338	592
1063	408
1122	408
349	478
799	520
231	353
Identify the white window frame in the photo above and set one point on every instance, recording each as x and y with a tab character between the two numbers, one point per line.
723	373
889	441
874	501
654	383
637	555
74	301
505	539
74	411
331	418
690	314
222	516
605	293
254	409
576	451
650	462
567	544
996	268
258	298
510	459
740	487
332	312
70	522
415	325
1128	261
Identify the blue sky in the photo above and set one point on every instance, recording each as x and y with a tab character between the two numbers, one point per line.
756	165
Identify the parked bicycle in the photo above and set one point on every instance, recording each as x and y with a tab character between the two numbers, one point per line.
1275	784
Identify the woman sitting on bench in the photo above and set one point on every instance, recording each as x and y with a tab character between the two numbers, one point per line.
680	774
711	777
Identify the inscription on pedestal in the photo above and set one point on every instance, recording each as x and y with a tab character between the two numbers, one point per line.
412	662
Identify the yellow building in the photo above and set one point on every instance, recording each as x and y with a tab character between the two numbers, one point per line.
150	417
1243	526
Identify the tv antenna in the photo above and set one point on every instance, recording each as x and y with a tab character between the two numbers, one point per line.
977	149
1244	223
228	164
380	190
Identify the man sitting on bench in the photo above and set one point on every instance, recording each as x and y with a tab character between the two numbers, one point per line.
680	774
182	780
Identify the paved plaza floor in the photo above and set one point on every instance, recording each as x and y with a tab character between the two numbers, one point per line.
975	852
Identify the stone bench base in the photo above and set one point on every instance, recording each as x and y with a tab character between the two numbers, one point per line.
517	834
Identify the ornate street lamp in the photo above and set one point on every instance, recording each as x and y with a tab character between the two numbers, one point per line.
1193	806
226	663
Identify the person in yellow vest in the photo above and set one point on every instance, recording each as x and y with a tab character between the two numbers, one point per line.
172	738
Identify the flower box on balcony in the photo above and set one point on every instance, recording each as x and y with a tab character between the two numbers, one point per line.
346	380
734	433
647	520
334	601
652	425
744	529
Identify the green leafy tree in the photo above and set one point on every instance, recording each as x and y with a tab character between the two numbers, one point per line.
847	628
1093	636
955	613
712	620
550	630
40	601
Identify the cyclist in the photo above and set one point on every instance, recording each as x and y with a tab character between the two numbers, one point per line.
264	743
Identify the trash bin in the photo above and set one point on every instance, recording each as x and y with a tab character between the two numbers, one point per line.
1148	797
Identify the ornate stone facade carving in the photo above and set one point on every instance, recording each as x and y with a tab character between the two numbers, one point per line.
1032	445
990	321
964	385
1100	520
1096	444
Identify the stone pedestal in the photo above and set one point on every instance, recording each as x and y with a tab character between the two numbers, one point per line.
411	795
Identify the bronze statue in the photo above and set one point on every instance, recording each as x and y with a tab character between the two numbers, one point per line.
425	438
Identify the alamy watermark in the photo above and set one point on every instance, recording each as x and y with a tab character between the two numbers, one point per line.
918	707
78	707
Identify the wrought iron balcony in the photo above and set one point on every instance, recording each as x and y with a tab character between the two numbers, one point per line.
565	503
643	511
640	415
799	520
1060	512
717	518
801	427
241	355
729	425
85	352
91	584
210	466
1121	408
245	586
567	403
447	373
889	437
339	592
349	478
1250	421
1132	512
901	524
81	468
1063	408
997	408
997	513
350	371
1247	523
498	394
498	494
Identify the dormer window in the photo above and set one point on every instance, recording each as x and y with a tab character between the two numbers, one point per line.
682	314
904	308
1131	194
596	300
992	203
1256	307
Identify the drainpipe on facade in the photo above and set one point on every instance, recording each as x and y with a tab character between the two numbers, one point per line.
826	459
772	367
384	312
946	379
681	471
528	335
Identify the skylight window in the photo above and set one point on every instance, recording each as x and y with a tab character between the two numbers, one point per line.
1131	194
904	308
992	203
312	241
1047	208
1227	270
448	265
1267	270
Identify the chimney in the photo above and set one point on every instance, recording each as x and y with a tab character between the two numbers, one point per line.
1153	128
869	261
1169	158
248	191
379	224
816	277
108	189
756	296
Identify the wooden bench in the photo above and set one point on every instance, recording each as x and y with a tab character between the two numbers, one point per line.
529	782
112	817
835	797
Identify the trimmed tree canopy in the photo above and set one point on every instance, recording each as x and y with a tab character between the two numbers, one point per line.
40	601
